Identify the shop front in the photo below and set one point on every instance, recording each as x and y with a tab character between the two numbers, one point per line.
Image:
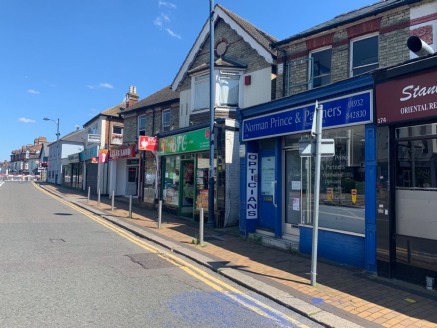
406	114
185	164
123	172
72	172
148	148
277	183
89	158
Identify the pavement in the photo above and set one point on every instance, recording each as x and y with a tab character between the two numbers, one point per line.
342	297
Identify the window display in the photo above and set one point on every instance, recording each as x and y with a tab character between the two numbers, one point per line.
342	193
171	181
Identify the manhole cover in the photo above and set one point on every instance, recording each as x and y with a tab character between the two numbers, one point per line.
150	261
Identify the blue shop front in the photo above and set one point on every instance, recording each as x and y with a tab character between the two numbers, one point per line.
277	183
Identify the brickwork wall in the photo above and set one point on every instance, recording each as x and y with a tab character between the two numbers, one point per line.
130	128
393	34
238	50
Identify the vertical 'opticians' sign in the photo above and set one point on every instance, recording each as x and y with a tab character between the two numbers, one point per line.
252	186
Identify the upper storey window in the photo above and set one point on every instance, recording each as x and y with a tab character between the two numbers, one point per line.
201	92
228	86
227	89
166	120
142	125
320	67
364	54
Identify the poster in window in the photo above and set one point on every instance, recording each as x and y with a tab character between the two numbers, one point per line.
267	175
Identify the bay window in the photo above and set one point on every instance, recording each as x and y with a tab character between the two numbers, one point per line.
227	89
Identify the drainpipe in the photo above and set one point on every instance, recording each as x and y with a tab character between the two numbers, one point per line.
284	70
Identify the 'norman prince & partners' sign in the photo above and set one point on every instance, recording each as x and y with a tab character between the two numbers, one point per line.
350	110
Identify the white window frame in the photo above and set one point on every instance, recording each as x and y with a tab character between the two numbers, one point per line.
117	138
166	123
199	80
140	118
311	77
217	78
352	42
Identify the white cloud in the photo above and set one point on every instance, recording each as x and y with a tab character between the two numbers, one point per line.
32	91
26	120
173	34
163	20
166	4
160	20
101	86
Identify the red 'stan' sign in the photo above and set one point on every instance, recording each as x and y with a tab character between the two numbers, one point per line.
406	99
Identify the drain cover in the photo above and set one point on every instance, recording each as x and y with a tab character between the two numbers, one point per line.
150	261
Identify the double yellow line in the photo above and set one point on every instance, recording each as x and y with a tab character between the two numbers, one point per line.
220	286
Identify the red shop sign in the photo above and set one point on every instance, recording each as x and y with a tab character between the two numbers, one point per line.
148	143
406	99
122	152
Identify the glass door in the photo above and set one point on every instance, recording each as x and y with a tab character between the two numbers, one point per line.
298	190
187	191
132	181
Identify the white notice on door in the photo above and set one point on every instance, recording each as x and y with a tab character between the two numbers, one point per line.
296	205
295	185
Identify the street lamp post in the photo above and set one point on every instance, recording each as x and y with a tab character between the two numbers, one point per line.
57	145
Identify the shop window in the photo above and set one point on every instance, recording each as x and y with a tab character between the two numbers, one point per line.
142	125
171	180
342	182
364	54
416	181
202	181
320	68
417	156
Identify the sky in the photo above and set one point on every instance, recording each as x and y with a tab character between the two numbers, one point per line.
69	60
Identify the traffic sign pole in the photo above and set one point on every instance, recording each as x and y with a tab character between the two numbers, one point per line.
318	133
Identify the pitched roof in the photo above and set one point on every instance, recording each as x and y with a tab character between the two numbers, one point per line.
164	95
111	111
221	62
259	40
262	37
349	17
75	136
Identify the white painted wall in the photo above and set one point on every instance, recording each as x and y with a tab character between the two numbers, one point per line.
259	91
184	108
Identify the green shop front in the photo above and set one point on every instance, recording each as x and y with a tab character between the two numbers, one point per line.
185	166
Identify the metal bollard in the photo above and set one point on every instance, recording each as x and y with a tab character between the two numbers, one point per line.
112	201
160	214
130	206
98	196
89	194
201	222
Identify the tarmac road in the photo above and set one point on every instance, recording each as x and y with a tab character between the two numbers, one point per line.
61	266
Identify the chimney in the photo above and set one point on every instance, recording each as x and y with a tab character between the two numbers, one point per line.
131	96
